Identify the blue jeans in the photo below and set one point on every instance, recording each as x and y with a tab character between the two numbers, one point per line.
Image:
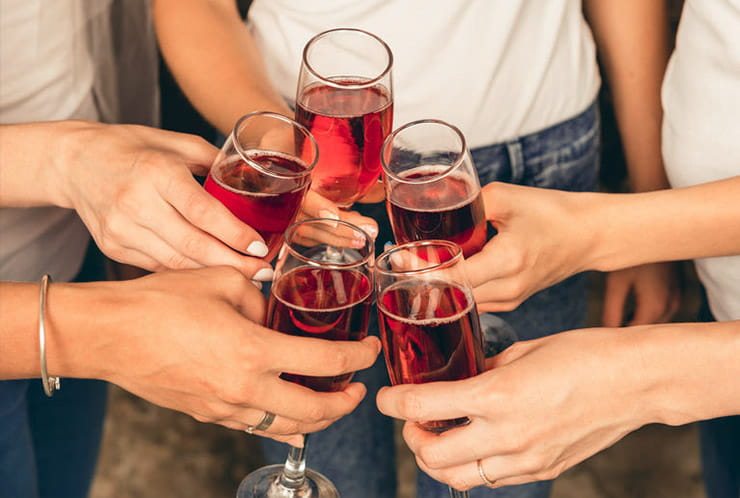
357	452
720	446
49	446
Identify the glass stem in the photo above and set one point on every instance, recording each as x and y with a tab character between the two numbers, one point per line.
458	494
293	475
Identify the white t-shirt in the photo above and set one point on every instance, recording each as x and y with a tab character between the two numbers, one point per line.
701	127
46	73
497	69
66	59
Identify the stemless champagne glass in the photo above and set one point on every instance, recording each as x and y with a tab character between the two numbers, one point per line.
429	323
432	187
263	172
323	289
345	97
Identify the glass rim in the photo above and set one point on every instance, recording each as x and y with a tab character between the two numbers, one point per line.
452	167
254	164
369	244
351	86
457	257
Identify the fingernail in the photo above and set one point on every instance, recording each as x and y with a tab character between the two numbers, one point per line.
327	213
257	249
264	275
257	284
387	245
371	230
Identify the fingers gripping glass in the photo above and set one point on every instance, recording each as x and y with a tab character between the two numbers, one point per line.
345	97
322	289
429	324
263	172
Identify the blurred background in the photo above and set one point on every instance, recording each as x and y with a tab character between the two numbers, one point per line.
149	451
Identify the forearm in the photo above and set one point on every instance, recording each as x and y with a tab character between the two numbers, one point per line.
72	330
632	38
670	225
686	371
214	59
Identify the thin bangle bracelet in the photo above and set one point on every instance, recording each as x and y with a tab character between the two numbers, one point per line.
50	384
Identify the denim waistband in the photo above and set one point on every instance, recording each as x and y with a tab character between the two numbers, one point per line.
520	159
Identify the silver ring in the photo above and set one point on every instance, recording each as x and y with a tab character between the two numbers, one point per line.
267	419
482	475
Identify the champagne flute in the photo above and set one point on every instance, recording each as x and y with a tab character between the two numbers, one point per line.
263	172
429	323
322	289
432	187
345	97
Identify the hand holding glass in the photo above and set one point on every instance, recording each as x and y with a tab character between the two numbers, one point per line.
322	289
429	323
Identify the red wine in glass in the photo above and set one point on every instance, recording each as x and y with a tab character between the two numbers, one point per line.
267	204
430	332
443	209
323	303
349	125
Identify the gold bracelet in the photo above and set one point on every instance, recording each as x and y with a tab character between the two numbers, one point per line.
50	384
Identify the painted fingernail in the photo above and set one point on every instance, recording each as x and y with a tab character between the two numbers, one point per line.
264	275
371	230
387	245
257	249
257	284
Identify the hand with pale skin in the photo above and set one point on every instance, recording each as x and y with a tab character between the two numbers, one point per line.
545	405
188	340
545	236
133	187
655	288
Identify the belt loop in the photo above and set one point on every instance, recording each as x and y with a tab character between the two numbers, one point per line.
516	160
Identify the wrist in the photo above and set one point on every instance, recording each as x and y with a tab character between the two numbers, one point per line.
591	228
68	143
80	330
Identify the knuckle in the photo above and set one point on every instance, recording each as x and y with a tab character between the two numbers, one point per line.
454	480
192	244
234	394
197	208
314	413
219	410
176	261
410	406
431	457
341	360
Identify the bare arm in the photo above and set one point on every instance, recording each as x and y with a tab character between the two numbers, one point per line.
215	60
632	39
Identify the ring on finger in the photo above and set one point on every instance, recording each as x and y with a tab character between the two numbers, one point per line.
482	473
267	419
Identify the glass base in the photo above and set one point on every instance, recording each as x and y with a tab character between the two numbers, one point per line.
264	483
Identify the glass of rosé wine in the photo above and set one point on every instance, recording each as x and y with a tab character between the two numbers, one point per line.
432	187
429	323
263	172
345	97
323	289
